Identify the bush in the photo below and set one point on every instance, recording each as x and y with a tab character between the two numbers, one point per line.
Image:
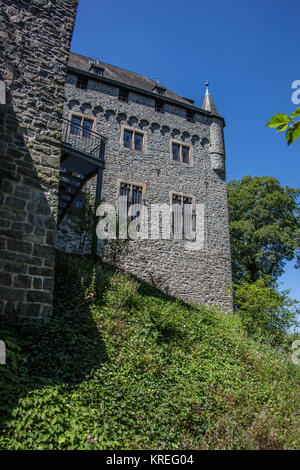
115	369
264	311
13	372
121	292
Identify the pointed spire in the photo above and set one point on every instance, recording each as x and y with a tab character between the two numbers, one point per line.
208	103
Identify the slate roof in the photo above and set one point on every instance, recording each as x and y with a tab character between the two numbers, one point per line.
124	76
208	104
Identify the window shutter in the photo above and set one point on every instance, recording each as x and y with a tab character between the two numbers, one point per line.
124	201
187	217
177	212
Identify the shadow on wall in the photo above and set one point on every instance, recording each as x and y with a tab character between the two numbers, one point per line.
66	349
62	352
28	204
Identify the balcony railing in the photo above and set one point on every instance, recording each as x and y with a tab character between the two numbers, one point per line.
83	139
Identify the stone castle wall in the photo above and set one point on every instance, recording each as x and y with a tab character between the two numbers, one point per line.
35	38
195	276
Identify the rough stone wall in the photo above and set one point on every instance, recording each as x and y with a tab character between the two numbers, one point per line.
67	239
35	37
196	276
216	150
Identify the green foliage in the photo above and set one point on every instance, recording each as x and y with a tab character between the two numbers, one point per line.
282	122
264	226
14	372
143	372
265	312
82	222
121	292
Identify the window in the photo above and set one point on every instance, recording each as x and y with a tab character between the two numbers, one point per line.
181	153
189	115
159	106
81	126
82	82
75	125
159	90
128	139
97	71
87	126
130	194
123	95
183	216
138	141
79	202
133	140
176	152
185	151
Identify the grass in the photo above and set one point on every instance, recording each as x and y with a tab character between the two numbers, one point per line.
122	366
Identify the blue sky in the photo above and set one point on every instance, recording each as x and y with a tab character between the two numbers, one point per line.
248	51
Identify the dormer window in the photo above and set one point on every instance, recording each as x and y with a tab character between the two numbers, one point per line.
160	90
98	70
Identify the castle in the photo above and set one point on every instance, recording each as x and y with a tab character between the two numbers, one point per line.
158	148
120	133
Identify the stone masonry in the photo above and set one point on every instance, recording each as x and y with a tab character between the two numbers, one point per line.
201	276
35	40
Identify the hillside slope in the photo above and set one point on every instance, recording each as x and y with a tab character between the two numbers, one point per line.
122	366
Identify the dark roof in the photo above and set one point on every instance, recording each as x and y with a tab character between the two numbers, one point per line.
158	86
121	75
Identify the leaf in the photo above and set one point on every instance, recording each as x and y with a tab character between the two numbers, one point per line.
296	113
293	133
282	127
278	119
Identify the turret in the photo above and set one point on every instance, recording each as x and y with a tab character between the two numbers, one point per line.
216	149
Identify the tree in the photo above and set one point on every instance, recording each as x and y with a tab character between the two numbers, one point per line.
264	227
282	122
265	312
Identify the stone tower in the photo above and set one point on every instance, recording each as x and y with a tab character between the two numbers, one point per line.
217	150
159	149
35	37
